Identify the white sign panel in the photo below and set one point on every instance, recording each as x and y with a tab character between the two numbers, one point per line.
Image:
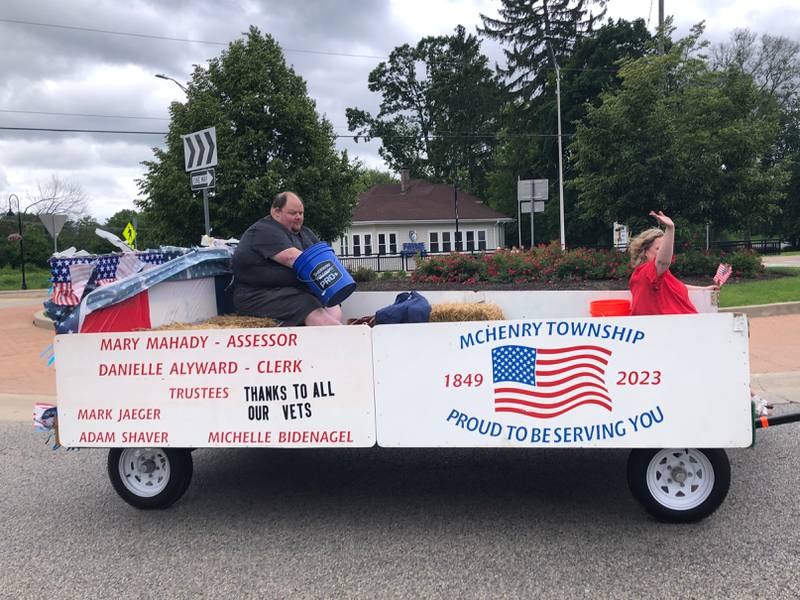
623	382
281	387
53	223
524	190
200	149
525	207
533	189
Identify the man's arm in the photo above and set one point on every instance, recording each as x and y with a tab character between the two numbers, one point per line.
287	257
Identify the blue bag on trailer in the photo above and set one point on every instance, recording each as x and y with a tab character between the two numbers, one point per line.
408	307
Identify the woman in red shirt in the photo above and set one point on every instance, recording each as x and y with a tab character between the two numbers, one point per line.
656	291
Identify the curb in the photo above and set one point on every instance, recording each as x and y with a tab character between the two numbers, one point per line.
779	388
23	293
765	310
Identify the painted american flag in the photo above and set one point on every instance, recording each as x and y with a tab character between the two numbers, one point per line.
723	273
547	382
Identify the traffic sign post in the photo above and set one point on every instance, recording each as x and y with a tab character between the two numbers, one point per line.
199	155
531	196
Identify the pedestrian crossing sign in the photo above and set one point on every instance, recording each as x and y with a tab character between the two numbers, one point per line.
129	233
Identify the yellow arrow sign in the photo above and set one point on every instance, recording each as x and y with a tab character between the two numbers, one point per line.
129	233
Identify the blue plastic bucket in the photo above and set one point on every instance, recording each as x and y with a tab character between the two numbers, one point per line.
325	276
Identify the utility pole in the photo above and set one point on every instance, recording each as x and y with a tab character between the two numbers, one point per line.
661	26
456	241
560	162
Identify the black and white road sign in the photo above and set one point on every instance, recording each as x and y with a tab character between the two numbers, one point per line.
203	179
200	149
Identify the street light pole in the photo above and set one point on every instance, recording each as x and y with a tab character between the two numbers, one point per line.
21	240
175	81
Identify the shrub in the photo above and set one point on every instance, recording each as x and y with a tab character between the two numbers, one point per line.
364	274
550	263
386	275
696	263
745	263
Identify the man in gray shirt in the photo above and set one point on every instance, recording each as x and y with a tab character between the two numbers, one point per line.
265	283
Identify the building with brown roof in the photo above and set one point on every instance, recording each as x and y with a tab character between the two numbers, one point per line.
416	211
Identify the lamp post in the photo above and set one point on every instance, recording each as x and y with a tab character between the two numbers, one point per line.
21	241
175	81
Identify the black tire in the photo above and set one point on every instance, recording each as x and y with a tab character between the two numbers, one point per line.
702	479
150	478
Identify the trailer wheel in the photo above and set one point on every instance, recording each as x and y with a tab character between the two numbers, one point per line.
679	485
149	478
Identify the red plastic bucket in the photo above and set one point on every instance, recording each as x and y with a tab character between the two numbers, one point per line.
610	308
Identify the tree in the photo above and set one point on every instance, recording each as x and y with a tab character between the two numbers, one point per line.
81	234
269	139
58	196
682	138
540	33
371	177
530	147
774	65
443	125
117	223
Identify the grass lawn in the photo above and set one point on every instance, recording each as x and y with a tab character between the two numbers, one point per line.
766	291
11	279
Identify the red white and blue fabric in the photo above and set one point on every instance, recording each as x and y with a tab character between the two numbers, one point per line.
180	290
547	382
104	270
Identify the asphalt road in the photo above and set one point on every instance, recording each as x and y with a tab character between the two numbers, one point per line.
383	523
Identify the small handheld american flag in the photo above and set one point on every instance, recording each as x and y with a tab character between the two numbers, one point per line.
723	273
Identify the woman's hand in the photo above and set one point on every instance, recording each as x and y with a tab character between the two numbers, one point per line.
662	219
714	287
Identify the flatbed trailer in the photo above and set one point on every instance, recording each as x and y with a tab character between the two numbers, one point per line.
673	389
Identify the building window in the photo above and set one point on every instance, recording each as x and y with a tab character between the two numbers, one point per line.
392	243
383	247
367	244
459	240
381	243
446	247
470	241
343	247
434	241
482	239
356	245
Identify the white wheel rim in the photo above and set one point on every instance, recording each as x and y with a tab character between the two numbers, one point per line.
144	471
680	478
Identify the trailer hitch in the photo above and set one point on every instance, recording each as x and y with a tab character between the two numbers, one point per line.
764	422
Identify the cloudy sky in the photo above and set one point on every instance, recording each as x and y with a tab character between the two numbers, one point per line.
67	64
